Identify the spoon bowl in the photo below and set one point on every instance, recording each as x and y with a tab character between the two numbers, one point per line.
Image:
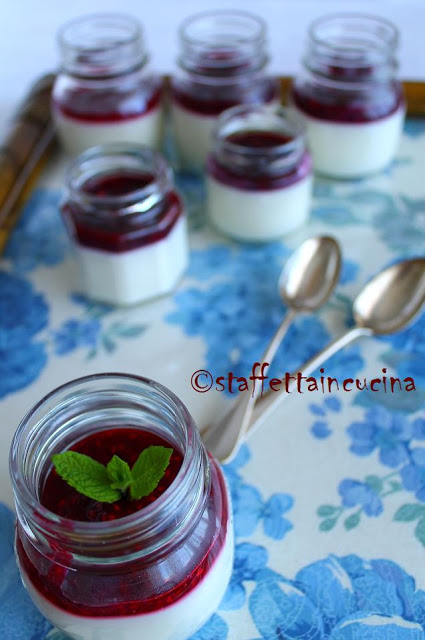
392	298
310	274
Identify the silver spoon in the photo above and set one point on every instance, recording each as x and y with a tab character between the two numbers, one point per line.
306	282
387	303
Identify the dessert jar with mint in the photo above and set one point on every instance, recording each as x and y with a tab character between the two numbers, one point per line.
124	525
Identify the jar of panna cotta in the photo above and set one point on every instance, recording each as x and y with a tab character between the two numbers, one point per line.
127	222
104	91
259	175
348	95
152	568
222	63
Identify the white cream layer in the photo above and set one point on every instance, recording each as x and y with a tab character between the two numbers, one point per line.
77	136
138	274
352	150
258	215
192	136
175	622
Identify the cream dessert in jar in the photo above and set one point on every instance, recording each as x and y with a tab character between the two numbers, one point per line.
127	222
154	567
222	63
104	91
258	174
348	95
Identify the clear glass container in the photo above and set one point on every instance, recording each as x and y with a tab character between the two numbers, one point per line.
222	63
104	91
127	222
158	572
349	95
258	173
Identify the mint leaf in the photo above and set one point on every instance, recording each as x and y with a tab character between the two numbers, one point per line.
119	474
107	484
148	470
86	475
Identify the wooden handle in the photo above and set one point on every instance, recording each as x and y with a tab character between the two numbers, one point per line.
24	152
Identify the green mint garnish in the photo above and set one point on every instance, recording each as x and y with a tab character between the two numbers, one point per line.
110	483
86	475
119	473
148	470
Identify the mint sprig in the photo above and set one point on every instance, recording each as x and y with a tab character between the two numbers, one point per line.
112	482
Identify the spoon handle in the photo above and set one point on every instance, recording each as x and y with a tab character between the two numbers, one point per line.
271	400
275	342
222	437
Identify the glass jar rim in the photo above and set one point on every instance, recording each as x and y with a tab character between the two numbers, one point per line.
224	44
259	32
134	27
151	193
99	47
283	114
353	51
370	19
94	529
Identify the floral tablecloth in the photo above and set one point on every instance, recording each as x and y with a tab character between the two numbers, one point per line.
329	498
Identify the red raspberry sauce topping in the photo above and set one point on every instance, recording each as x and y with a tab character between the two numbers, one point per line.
61	498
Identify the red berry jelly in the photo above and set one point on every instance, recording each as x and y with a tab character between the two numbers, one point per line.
105	105
249	159
58	496
347	106
98	219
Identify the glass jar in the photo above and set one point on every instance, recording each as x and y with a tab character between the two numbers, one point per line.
348	95
258	173
158	573
104	91
222	63
127	222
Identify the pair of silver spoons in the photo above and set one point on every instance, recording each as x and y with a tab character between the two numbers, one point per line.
386	304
